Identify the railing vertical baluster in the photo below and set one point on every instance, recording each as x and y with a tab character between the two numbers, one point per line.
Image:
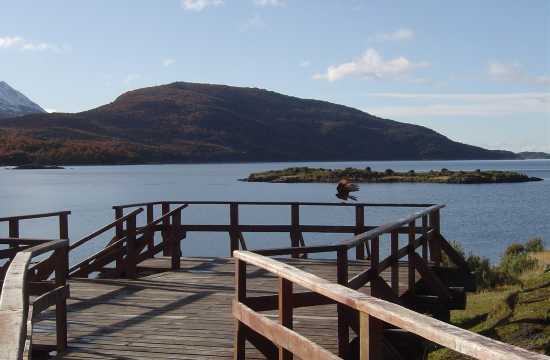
410	262
131	247
234	225
240	294
359	229
370	343
14	231
61	256
375	253
285	312
425	236
150	236
166	230
119	234
395	262
295	225
175	240
435	246
64	226
342	279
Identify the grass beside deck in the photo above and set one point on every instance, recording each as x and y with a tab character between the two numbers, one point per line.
518	315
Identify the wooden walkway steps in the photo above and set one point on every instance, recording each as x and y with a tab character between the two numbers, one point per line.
183	314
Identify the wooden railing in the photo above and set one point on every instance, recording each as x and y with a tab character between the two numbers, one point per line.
16	317
235	228
436	295
131	244
43	269
278	339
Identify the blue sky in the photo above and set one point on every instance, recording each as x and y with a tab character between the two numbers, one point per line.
476	71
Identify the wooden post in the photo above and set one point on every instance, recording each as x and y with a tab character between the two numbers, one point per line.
234	228
359	229
14	231
131	247
119	234
166	231
375	253
175	240
240	294
61	269
64	226
285	312
150	236
412	236
395	262
342	279
425	236
435	246
295	224
370	343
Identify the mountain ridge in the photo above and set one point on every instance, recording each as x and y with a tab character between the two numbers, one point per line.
193	122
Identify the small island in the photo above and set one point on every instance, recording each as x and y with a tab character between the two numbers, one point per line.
367	175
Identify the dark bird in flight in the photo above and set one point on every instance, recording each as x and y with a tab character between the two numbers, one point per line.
343	189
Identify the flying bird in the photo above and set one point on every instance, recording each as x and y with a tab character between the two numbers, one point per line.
343	189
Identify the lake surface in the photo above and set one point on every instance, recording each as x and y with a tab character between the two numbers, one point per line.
484	218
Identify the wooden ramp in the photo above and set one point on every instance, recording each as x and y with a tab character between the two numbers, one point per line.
184	314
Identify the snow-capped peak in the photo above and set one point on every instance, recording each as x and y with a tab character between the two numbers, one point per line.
13	103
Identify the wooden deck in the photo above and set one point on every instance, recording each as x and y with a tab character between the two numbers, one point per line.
184	314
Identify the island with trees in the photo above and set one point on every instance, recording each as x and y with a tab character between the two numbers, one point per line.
367	175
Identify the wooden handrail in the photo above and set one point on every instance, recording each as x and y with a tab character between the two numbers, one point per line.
449	336
388	227
21	241
269	203
34	216
104	229
14	299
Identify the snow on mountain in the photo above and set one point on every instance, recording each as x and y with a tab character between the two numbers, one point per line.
13	103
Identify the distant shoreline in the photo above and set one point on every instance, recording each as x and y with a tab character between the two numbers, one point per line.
11	166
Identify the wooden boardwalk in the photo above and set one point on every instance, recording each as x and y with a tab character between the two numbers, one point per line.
183	314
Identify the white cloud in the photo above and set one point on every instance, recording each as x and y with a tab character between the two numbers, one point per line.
514	72
131	78
50	110
200	5
168	61
371	65
305	63
265	3
255	22
397	35
10	41
464	105
20	43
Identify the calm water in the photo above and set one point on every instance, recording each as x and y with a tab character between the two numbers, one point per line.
484	218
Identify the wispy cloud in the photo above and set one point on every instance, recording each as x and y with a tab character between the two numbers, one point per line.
254	23
168	61
200	5
397	35
305	63
371	65
463	105
22	44
266	3
514	72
